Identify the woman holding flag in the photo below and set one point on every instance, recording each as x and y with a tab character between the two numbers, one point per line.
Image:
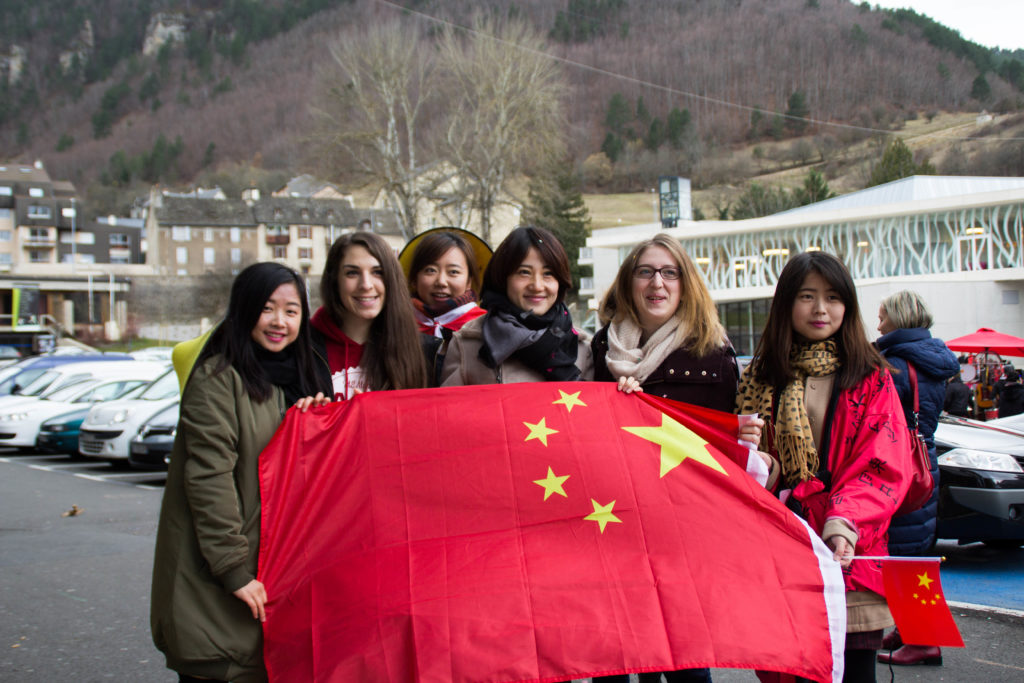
207	604
836	429
366	324
527	334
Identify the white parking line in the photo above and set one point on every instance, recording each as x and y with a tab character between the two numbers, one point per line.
90	477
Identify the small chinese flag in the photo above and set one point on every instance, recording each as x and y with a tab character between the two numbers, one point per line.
917	603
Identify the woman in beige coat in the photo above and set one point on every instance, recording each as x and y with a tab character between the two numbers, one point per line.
527	334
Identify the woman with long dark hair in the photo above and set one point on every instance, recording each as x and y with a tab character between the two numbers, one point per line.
527	334
207	603
836	428
366	319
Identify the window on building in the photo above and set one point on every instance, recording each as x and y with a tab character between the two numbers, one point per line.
118	239
182	271
209	256
277	230
305	214
181	233
35	192
35	211
38	256
5	214
280	252
119	257
305	232
6	258
236	235
278	213
236	255
5	235
305	254
208	235
6	190
182	255
38	235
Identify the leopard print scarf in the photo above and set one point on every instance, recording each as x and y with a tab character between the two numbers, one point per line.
794	442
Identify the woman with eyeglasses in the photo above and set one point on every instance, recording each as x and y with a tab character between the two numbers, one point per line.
662	335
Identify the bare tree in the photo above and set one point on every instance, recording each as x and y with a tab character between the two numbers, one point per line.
370	108
506	111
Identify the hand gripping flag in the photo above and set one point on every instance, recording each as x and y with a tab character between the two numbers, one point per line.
918	604
531	532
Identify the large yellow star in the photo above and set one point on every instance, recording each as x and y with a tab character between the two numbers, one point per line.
677	444
924	580
539	431
552	484
602	514
569	400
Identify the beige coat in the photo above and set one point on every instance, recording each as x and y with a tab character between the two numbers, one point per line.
462	364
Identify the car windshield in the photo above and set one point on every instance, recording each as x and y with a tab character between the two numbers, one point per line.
165	386
38	384
72	391
108	391
19	377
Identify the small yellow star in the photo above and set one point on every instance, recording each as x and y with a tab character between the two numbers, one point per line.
552	484
602	514
569	400
677	444
923	580
539	431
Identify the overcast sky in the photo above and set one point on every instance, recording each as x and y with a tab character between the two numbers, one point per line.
992	23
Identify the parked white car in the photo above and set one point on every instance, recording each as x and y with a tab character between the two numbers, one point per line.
55	377
108	429
20	423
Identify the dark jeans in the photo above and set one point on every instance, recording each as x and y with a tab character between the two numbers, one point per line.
684	676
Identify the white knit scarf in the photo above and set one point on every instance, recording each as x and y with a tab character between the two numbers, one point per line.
627	358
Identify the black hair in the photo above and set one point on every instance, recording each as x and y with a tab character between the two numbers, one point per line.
512	251
771	364
232	339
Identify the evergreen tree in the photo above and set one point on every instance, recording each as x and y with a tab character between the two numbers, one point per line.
619	113
655	135
642	113
980	89
815	189
612	146
898	162
676	127
797	112
555	202
759	200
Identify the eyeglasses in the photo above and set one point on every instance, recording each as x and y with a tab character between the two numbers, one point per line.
647	273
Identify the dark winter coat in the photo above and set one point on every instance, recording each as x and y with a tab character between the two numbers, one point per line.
914	533
207	541
709	381
1011	399
958	398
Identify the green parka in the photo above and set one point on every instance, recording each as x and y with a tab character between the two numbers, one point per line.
208	538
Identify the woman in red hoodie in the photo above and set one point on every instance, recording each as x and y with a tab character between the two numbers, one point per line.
366	327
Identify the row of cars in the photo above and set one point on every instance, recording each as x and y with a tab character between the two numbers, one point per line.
115	407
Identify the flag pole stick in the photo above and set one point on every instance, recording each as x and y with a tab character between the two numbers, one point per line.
900	559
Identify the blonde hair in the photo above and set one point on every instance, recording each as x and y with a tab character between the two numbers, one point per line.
700	330
907	310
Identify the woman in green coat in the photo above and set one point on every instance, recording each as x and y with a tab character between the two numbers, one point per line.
207	604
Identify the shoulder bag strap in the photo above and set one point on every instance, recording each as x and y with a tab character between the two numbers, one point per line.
912	375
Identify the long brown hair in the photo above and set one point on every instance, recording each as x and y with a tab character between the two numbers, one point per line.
700	330
859	358
392	355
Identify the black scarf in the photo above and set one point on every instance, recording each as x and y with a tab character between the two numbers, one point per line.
544	343
282	369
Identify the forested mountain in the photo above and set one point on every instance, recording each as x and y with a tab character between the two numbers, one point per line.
88	86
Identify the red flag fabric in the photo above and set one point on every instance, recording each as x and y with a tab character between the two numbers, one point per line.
531	532
918	605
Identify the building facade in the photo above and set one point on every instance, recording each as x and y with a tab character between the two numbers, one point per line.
956	241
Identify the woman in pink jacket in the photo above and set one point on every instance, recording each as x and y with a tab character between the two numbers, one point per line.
835	431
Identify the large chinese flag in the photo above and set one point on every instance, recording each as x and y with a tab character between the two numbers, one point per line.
917	603
531	532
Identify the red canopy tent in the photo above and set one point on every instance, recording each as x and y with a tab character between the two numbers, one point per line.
987	340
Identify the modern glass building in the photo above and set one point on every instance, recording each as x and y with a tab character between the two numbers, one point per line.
955	240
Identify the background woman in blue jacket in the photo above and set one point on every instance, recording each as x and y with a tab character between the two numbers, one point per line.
903	320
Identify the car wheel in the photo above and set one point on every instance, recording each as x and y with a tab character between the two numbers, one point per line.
1004	543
